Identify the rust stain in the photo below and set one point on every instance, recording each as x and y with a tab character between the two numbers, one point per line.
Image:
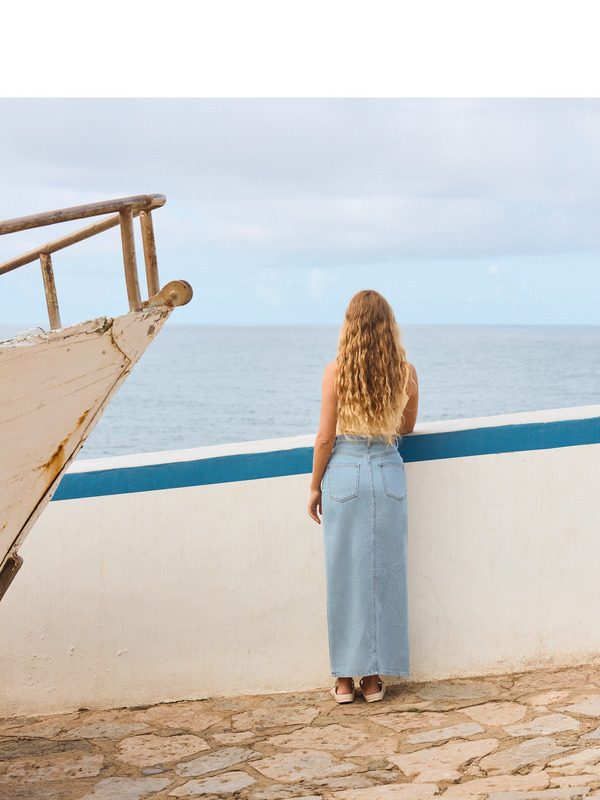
82	418
56	463
57	460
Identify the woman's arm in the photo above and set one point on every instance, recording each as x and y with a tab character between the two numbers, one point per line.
409	417
325	439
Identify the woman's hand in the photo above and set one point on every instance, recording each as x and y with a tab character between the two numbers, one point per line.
314	505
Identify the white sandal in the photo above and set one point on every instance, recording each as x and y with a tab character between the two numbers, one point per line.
374	696
342	698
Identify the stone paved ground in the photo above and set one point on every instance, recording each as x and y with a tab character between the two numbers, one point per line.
525	736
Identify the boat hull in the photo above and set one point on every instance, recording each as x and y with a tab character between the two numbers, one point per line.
54	389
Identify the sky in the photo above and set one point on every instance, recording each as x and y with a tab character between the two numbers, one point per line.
460	210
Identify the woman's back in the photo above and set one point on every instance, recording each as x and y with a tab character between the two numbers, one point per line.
374	381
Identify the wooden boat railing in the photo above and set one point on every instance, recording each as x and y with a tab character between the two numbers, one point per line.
122	212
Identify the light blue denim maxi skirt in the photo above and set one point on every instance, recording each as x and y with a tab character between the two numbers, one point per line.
365	534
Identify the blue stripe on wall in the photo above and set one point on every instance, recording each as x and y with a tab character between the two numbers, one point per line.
277	463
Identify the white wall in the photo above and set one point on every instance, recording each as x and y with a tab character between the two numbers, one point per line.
219	589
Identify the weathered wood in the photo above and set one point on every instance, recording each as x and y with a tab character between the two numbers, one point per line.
7	574
149	253
50	290
60	244
175	293
136	203
131	276
60	382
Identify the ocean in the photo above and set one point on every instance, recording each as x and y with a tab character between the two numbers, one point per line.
199	385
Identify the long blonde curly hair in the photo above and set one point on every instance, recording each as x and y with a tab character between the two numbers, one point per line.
372	371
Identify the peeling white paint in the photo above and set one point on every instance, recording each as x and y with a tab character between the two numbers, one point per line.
54	389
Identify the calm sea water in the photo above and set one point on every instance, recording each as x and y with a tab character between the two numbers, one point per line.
198	385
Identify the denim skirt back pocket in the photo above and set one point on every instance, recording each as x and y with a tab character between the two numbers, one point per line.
342	481
394	480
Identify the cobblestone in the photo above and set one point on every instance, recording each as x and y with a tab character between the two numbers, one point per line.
528	736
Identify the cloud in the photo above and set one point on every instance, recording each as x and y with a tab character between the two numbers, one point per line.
344	178
288	193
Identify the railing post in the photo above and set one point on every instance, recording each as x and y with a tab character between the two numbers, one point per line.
131	276
149	253
50	290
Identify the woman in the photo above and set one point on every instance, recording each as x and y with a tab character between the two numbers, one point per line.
370	396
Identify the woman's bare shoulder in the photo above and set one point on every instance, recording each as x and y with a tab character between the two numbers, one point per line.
329	374
412	386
